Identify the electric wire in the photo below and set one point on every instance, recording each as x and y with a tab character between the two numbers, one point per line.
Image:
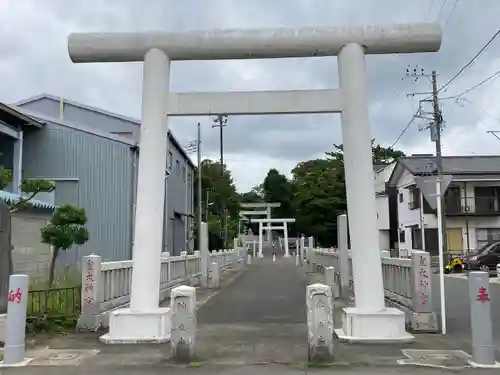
493	77
476	56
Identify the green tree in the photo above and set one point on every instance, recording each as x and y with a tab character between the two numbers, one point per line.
222	195
256	195
319	197
381	155
65	229
30	188
278	189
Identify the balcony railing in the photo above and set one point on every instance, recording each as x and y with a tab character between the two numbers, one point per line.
472	206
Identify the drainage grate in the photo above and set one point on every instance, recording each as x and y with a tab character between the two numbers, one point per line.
435	358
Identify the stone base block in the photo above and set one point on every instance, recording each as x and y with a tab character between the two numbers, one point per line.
137	327
385	326
424	322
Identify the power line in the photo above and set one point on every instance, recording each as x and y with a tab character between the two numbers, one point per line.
405	128
441	9
471	61
491	77
451	13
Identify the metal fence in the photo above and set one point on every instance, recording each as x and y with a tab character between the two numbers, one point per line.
54	302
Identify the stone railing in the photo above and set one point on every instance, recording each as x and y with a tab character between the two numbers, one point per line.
106	286
407	283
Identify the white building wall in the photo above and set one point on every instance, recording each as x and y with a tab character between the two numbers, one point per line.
470	224
383	212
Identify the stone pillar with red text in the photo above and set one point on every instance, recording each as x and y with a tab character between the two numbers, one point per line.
90	317
423	318
15	348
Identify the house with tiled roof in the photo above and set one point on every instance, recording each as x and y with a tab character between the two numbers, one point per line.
471	189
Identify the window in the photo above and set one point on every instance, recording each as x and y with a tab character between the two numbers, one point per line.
400	197
486	235
416	239
184	173
177	167
170	159
414	202
402	236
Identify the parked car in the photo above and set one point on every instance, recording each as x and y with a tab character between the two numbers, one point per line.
485	259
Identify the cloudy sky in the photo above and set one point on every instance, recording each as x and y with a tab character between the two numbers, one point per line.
33	40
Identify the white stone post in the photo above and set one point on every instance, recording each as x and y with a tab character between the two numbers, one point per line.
183	307
254	248
15	331
285	240
249	258
330	280
423	317
343	252
261	254
215	275
303	248
320	322
204	253
385	254
362	210
148	228
92	290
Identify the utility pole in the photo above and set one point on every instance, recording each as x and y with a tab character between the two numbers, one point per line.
220	121
436	128
438	125
200	198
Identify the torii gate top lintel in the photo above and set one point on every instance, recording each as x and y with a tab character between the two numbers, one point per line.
254	43
261	205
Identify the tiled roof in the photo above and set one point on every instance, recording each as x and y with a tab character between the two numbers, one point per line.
11	197
453	164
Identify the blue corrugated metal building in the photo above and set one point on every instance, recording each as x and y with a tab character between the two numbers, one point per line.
91	155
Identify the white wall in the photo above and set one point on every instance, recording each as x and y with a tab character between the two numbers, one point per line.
383	239
409	217
382	177
382	212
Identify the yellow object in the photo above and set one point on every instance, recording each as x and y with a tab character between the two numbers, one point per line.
454	240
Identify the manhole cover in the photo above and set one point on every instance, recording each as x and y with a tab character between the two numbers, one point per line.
62	356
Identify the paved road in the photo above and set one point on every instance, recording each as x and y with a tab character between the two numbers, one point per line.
260	317
267	293
458	310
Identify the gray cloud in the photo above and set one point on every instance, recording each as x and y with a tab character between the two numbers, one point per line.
34	34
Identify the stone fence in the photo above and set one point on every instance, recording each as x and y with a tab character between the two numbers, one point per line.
407	282
106	285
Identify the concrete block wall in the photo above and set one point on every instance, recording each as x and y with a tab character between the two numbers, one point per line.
30	256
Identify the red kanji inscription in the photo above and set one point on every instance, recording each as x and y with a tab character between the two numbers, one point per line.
15	297
424	298
90	276
482	295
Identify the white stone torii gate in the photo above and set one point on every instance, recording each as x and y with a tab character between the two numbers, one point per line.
269	228
266	210
145	321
